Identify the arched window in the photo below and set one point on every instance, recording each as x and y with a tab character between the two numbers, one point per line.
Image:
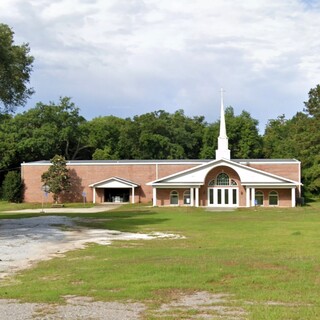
223	179
273	198
186	197
259	198
174	197
233	182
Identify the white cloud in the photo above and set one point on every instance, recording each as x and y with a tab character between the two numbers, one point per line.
132	56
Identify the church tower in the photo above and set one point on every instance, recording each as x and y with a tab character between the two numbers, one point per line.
223	151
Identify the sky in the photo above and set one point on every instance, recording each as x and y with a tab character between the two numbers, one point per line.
130	57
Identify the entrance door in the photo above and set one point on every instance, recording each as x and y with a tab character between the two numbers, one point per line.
116	195
223	197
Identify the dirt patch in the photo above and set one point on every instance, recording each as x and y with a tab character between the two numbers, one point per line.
76	308
198	305
29	240
202	305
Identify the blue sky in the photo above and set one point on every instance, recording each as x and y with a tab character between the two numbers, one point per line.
128	57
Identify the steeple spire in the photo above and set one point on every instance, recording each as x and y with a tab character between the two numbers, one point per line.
223	151
223	131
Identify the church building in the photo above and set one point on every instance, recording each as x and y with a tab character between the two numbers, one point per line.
223	182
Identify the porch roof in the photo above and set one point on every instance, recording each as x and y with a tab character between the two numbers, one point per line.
114	182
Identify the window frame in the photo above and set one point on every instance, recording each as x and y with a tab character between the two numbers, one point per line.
174	194
187	196
259	193
273	194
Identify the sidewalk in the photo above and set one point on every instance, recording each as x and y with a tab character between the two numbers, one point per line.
95	209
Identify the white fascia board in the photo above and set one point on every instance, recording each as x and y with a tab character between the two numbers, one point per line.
270	185
198	174
117	163
113	182
289	161
36	163
253	175
182	173
193	184
176	186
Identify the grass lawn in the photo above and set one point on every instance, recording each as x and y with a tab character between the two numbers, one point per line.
268	260
9	206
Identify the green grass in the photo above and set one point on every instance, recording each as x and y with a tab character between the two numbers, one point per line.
9	206
269	259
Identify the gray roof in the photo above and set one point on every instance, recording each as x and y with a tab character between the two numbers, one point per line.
193	161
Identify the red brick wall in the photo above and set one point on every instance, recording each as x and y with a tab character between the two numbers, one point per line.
84	175
163	196
31	176
284	197
286	170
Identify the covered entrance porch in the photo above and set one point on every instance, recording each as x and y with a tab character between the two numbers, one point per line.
114	190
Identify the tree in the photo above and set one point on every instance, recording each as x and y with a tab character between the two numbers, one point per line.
42	132
242	130
312	106
275	139
209	141
244	139
103	135
161	135
12	187
57	178
15	69
103	154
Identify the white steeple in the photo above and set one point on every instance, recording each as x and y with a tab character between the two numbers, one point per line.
223	151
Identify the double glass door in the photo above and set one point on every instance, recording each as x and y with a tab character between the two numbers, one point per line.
224	197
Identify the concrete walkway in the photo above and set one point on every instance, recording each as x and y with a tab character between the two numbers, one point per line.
101	208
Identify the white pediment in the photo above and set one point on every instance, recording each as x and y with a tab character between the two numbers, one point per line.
198	174
114	182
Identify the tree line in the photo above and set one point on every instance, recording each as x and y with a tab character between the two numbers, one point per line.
58	128
51	129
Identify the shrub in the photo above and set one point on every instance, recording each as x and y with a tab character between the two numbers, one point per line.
12	187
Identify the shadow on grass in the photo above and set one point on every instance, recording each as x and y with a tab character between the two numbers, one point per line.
121	220
129	221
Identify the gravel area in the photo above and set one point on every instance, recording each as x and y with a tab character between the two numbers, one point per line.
199	305
26	241
75	309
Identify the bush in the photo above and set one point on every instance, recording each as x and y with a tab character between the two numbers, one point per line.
12	187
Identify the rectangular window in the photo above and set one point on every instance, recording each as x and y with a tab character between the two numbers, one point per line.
234	196
211	196
226	196
219	196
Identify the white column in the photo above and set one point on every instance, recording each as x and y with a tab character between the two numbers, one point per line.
94	195
191	197
197	197
154	197
247	197
293	197
253	192
132	195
